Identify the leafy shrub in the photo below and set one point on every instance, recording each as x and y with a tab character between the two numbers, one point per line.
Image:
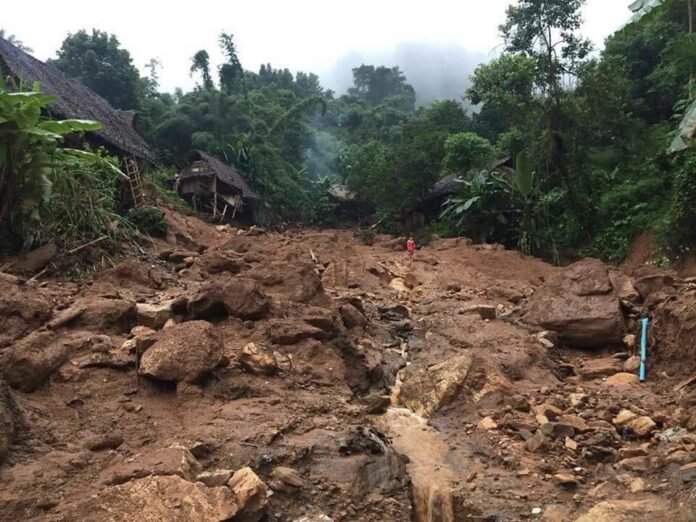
158	182
465	151
149	220
48	192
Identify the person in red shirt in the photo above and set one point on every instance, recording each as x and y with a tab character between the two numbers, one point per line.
410	246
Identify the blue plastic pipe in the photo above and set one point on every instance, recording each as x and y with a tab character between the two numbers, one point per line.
643	348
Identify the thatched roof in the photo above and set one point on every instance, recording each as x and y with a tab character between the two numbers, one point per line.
223	172
74	100
452	182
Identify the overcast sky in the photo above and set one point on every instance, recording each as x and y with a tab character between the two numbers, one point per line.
326	37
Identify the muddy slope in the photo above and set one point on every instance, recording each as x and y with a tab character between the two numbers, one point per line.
240	375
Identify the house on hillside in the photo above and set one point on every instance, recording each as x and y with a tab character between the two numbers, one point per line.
217	189
75	101
432	204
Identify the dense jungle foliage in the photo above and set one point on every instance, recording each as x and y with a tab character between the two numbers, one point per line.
590	135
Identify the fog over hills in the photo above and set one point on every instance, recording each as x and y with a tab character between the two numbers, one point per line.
436	71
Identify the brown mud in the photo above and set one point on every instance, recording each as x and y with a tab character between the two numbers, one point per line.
243	375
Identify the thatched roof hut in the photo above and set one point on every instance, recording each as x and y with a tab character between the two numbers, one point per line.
211	185
74	100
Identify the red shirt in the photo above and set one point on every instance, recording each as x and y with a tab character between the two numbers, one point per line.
410	245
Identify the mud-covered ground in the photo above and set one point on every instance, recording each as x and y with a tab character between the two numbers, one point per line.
242	375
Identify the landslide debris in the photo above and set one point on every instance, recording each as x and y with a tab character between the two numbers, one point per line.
303	376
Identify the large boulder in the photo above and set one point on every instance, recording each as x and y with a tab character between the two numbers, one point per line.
22	309
581	305
156	498
175	460
102	314
33	359
241	298
288	332
251	495
425	391
185	352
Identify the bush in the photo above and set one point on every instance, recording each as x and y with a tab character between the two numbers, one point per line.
158	183
148	220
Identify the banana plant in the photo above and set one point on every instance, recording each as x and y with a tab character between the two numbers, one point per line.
29	150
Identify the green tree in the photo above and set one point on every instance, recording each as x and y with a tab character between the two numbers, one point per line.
465	151
99	62
200	63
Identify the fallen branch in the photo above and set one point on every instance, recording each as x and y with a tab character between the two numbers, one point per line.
81	247
35	277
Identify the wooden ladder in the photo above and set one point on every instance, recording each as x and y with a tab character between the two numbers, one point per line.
135	181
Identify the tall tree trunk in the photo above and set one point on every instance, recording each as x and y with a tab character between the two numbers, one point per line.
690	7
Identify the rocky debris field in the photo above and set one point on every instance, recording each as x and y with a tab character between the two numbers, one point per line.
247	376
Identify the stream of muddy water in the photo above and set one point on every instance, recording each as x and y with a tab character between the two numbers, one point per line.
431	474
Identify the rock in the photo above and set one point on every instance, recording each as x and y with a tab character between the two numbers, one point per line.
642	426
425	391
601	367
35	260
629	341
623	418
154	316
292	332
579	304
177	256
186	352
33	359
687	472
537	443
175	460
286	479
352	317
653	508
101	314
103	442
566	480
487	424
215	478
22	309
549	411
156	498
632	364
571	444
378	404
622	379
257	360
637	485
241	298
484	311
650	280
546	343
633	451
519	403
398	284
323	319
577	399
314	518
578	423
559	430
215	262
640	464
250	494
